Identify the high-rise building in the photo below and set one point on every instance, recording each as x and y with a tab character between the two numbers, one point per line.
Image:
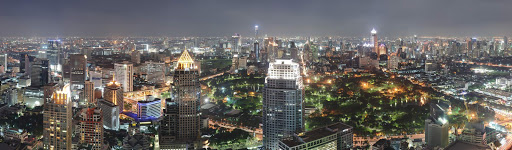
256	27
169	124
110	113
54	54
135	57
3	62
186	93
88	93
57	121
436	127
154	72
374	41
474	133
151	108
294	52
114	94
257	51
78	71
96	78
283	108
40	73
336	136
124	75
236	43
91	128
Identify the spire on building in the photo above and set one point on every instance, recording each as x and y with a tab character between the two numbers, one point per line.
185	60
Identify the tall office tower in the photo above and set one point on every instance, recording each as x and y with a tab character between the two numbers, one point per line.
155	72
3	62
505	43
91	128
294	52
283	108
256	27
40	74
436	127
48	91
28	66
54	55
186	93
57	121
257	51
236	43
135	57
110	113
88	94
375	41
78	71
169	124
124	75
114	94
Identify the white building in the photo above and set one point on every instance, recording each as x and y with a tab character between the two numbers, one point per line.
282	102
155	72
393	62
151	108
124	75
110	114
96	78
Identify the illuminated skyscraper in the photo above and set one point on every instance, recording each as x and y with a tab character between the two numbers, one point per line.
88	93
57	121
78	71
40	73
283	109
124	73
91	128
114	94
54	54
257	51
236	43
374	41
185	93
256	27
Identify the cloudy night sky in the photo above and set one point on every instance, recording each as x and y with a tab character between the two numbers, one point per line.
275	17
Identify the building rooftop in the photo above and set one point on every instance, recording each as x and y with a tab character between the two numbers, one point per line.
463	145
315	134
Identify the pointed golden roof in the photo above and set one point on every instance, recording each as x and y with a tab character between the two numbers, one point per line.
113	83
185	60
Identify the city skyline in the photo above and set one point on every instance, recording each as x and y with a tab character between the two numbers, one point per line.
256	75
223	18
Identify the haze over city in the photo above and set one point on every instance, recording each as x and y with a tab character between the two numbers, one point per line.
256	75
279	18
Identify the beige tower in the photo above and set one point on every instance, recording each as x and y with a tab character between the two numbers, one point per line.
375	41
57	121
186	93
124	73
114	94
91	128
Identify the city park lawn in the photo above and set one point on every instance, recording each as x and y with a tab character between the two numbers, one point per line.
373	105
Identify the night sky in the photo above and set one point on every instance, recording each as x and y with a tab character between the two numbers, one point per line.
275	17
